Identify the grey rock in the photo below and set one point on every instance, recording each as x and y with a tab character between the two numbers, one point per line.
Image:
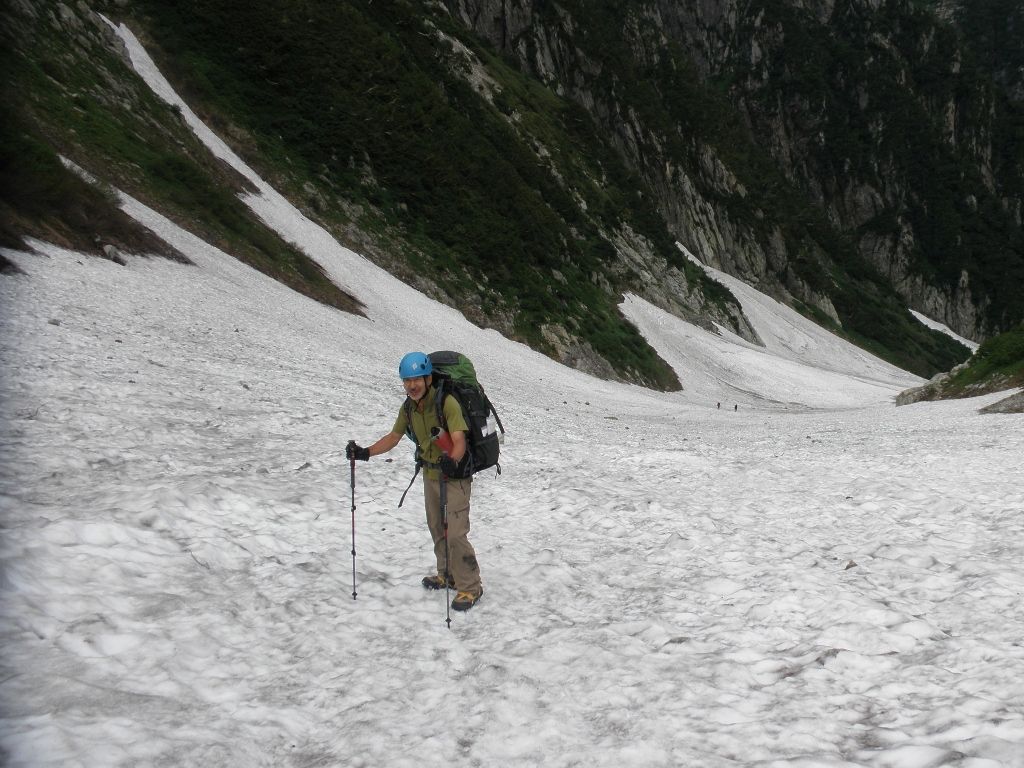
113	254
1012	404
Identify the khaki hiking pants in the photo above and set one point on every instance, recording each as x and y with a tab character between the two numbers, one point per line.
461	556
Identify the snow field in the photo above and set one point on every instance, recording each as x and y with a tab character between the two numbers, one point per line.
677	586
815	579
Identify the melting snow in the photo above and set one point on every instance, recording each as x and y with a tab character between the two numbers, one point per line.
814	578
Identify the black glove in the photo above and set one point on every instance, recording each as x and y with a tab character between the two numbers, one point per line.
449	466
353	451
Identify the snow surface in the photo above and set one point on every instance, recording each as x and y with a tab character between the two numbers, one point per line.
816	578
935	325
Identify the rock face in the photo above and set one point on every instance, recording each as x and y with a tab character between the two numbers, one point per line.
637	262
687	189
933	390
826	125
1011	404
942	387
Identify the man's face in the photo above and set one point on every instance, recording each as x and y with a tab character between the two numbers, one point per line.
416	387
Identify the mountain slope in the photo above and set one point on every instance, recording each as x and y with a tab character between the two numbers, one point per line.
182	538
615	239
69	92
506	195
836	142
508	220
784	335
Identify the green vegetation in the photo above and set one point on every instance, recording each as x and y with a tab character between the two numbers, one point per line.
40	197
996	366
488	194
78	97
509	197
883	121
680	108
998	363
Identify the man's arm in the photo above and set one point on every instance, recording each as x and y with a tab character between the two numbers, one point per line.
389	441
456	426
458	445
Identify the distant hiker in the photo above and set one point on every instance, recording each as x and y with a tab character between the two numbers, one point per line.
719	406
735	407
463	572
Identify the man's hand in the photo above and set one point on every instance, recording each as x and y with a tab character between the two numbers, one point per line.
449	466
353	451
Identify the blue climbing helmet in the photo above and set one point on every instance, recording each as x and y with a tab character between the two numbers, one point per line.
415	364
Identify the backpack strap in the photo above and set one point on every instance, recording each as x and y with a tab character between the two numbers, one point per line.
490	406
439	407
407	406
419	463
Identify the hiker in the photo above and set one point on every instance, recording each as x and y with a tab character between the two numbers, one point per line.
463	572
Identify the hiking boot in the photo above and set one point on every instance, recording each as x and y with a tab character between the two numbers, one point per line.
466	600
437	582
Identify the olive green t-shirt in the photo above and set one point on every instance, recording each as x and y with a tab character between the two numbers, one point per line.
423	420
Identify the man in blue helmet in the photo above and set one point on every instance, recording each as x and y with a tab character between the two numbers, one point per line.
456	565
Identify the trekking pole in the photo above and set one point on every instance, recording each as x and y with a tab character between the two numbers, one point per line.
447	564
352	464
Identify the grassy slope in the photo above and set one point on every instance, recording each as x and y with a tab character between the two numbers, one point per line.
679	109
510	201
66	91
41	198
363	97
881	119
998	364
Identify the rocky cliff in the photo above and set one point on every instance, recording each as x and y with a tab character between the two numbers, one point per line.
528	162
892	122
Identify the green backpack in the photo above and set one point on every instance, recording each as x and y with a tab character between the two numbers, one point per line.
454	375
